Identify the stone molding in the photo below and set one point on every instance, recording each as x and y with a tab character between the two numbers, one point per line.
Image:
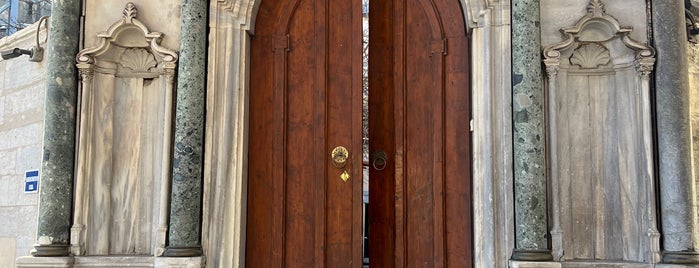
225	158
597	45
242	12
479	13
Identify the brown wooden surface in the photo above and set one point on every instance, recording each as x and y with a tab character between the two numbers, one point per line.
305	99
419	113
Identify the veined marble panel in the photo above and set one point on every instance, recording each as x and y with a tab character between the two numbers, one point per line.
601	163
124	142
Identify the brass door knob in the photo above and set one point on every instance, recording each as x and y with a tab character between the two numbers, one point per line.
339	156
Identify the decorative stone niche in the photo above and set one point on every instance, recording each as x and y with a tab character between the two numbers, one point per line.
600	145
124	142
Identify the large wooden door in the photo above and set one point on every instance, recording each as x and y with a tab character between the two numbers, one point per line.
305	100
419	112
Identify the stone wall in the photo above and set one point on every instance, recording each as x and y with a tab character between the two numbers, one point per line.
21	117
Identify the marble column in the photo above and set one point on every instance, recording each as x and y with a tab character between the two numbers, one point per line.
56	184
531	238
184	234
674	138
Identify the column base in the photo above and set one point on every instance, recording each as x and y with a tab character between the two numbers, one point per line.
182	251
680	257
534	264
50	250
190	262
110	261
532	255
44	262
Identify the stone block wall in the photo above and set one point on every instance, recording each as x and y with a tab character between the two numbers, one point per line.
22	86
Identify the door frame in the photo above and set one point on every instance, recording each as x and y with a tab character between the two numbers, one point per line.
232	24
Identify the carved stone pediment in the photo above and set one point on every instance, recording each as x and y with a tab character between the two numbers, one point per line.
128	33
599	28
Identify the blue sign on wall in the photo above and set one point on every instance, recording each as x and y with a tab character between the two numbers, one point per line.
31	181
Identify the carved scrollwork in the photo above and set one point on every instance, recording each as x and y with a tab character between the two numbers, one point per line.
596	13
125	26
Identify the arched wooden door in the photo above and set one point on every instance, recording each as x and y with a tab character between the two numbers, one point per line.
419	113
305	100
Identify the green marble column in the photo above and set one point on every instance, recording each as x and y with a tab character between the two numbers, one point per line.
184	237
56	184
674	134
531	232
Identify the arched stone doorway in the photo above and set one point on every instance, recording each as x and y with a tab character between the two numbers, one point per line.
224	225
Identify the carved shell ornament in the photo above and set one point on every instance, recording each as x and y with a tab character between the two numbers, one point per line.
138	60
590	56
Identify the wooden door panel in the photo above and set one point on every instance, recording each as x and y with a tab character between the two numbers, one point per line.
306	99
423	199
305	93
422	145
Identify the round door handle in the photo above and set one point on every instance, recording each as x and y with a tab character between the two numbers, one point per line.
380	160
339	156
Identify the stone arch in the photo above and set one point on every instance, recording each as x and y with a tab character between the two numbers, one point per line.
232	23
